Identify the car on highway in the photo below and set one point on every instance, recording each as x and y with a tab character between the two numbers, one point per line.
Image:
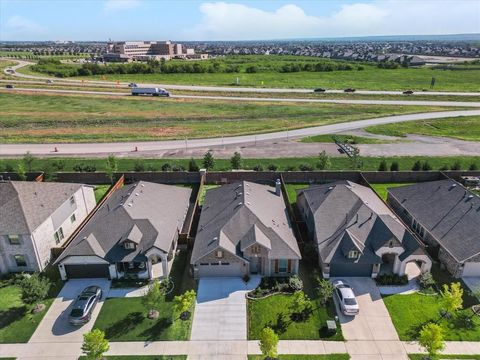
150	91
84	305
11	71
132	85
408	92
49	81
319	90
346	298
9	86
349	90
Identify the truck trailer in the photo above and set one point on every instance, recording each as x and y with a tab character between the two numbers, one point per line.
150	91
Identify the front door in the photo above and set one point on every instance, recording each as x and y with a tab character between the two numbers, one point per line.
256	265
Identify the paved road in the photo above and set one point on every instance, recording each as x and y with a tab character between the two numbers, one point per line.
473	104
23	63
159	146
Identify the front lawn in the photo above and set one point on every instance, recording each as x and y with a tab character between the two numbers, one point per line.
441	357
304	357
410	312
124	319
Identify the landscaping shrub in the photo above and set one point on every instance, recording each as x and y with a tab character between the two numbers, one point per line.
383	166
139	166
305	167
426	166
82	167
456	166
166	167
291	168
192	165
426	281
272	167
178	167
392	279
258	167
417	166
295	283
394	166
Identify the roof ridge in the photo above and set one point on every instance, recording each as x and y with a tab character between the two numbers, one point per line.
23	209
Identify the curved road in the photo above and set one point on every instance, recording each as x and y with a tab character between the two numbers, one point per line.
84	149
259	99
22	63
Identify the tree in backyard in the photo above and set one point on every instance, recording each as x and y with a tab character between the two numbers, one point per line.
355	159
183	303
452	297
473	166
323	161
152	299
394	166
28	160
21	172
426	166
236	161
94	344
111	167
324	289
208	160
417	166
34	289
268	343
383	165
192	165
431	338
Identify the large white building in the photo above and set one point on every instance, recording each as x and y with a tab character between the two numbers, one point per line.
144	50
36	217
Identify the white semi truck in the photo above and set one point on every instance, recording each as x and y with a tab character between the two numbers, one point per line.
150	91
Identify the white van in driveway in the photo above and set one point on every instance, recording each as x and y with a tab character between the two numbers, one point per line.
150	91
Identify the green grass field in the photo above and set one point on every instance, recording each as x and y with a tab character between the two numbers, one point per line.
39	118
381	189
100	191
463	128
342	163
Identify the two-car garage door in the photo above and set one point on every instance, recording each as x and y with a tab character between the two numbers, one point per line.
87	271
471	269
220	270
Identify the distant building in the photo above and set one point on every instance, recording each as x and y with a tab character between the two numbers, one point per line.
146	50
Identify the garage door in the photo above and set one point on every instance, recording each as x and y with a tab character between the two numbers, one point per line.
351	270
223	270
471	269
87	271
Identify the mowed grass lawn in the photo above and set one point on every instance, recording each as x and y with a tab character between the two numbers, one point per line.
124	319
17	323
381	189
463	128
304	357
100	191
46	118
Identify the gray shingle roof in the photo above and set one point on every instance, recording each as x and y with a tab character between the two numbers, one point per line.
146	213
348	217
25	205
448	211
238	214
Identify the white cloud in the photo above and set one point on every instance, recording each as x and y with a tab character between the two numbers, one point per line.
19	27
119	5
233	21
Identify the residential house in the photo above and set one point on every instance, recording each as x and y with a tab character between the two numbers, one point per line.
355	233
133	234
446	216
36	217
244	228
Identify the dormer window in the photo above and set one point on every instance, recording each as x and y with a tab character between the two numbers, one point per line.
129	245
353	254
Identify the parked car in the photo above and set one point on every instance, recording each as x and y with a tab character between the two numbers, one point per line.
9	86
408	92
346	298
349	90
83	306
132	85
319	90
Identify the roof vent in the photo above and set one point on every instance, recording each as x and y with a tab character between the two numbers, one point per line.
470	196
330	188
130	204
248	202
454	185
142	185
239	204
136	194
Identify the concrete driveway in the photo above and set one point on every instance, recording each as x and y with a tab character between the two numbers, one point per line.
373	322
221	309
55	327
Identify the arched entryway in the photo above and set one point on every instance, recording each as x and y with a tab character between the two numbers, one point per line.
389	263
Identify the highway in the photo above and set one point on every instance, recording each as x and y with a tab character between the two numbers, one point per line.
92	149
473	104
238	89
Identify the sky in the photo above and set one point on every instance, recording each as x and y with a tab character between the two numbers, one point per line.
76	20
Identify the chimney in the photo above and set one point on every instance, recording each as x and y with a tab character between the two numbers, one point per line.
278	187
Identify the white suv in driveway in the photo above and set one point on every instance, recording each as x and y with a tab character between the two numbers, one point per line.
346	298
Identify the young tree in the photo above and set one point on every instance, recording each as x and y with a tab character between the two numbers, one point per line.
323	161
34	289
268	343
356	159
152	299
426	166
192	165
417	166
208	160
431	338
456	166
452	297
300	305
394	166
383	165
28	160
183	303
473	166
139	166
111	167
21	172
94	344
325	290
236	161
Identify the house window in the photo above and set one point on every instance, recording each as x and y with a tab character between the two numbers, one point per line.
72	200
73	218
58	235
353	254
14	239
219	254
20	260
282	265
255	249
129	245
